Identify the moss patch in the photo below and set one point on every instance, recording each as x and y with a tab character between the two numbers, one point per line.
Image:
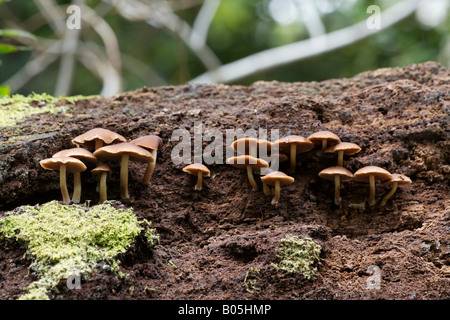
16	108
67	240
298	255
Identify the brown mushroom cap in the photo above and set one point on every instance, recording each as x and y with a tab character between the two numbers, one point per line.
243	161
197	168
150	142
88	138
347	147
115	152
317	138
102	168
72	164
78	153
330	173
399	179
245	144
363	174
275	176
303	144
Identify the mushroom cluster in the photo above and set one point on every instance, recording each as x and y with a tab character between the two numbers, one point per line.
339	174
105	145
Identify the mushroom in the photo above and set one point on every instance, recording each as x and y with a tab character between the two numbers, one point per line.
294	144
277	179
199	170
342	148
250	146
150	143
395	180
338	175
80	154
324	139
370	174
103	170
124	152
274	160
249	163
63	164
97	138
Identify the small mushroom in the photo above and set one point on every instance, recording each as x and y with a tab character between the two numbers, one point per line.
324	139
338	175
250	164
295	145
370	174
277	179
199	170
395	180
124	152
103	170
97	138
86	157
342	148
274	160
63	164
250	146
152	144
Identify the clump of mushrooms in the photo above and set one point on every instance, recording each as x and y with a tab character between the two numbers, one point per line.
124	152
64	165
370	174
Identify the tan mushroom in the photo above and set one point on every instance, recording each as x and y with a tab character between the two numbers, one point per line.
199	170
124	152
324	139
103	170
274	160
342	148
152	144
294	145
396	179
97	138
277	179
64	165
250	146
371	174
250	164
338	175
86	157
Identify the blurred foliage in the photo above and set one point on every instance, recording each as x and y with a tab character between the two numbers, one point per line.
239	28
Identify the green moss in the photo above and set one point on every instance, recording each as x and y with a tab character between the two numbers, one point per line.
250	279
64	240
16	108
298	255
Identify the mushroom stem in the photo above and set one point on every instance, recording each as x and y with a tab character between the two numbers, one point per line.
277	193
124	177
103	187
251	179
63	184
372	190
293	157
340	158
324	144
389	195
76	187
337	192
98	144
198	186
150	168
266	189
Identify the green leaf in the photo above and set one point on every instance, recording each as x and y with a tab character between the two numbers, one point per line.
17	34
7	48
4	91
